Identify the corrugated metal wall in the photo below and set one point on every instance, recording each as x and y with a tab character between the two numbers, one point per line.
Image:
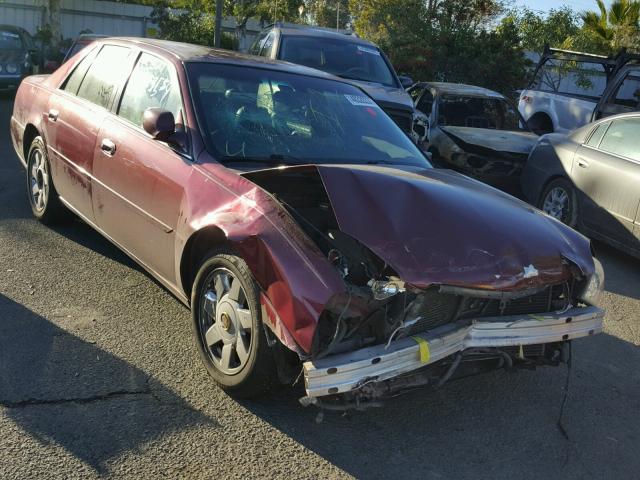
23	13
109	18
104	17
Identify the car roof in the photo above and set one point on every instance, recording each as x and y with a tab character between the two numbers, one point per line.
462	89
318	32
187	53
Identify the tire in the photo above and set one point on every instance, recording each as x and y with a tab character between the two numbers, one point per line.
228	329
43	196
559	200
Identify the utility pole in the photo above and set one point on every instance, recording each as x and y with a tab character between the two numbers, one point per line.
338	16
218	27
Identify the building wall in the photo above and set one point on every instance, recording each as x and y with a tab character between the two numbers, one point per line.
102	17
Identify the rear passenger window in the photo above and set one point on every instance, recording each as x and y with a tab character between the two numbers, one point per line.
105	75
153	83
622	138
74	80
597	134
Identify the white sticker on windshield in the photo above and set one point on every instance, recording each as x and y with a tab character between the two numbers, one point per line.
360	101
372	51
10	35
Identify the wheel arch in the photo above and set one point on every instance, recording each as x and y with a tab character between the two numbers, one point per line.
541	118
196	247
30	132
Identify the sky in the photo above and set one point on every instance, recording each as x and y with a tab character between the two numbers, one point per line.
546	5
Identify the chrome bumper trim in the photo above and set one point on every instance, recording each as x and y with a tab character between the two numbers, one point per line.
349	370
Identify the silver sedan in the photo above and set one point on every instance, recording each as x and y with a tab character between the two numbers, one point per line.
590	179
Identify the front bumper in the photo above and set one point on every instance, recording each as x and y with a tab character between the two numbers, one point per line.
345	372
10	82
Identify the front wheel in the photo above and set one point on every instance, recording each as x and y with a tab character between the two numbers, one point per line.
559	201
228	327
43	197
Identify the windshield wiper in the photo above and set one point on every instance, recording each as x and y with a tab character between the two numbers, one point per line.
273	159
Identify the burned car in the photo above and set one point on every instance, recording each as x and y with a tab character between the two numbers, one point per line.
475	131
309	236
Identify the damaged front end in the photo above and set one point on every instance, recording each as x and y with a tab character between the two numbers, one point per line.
493	156
442	276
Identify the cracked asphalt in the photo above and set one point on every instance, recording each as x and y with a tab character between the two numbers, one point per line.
99	378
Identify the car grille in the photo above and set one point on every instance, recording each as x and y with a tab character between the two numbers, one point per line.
403	119
435	308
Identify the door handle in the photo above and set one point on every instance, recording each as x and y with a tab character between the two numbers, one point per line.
53	114
108	147
583	163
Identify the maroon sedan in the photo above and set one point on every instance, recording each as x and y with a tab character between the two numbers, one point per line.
304	229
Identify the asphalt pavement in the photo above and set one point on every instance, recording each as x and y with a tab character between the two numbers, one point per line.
99	377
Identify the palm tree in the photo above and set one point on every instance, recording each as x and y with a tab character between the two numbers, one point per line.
618	27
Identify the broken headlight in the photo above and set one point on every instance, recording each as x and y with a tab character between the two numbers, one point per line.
383	289
593	292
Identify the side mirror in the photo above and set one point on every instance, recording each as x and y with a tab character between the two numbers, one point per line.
420	130
405	80
161	125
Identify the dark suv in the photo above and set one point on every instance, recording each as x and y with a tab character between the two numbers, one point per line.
344	55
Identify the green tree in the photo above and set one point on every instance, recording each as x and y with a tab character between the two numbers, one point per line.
535	30
328	13
617	27
447	40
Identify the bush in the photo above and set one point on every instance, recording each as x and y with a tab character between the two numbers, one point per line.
190	27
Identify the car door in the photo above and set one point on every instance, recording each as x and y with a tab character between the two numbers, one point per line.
140	180
606	171
622	97
74	116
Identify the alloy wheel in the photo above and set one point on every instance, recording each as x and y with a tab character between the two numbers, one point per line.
225	323
557	204
38	180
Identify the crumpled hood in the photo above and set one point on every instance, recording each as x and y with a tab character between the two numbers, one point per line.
439	227
488	138
386	97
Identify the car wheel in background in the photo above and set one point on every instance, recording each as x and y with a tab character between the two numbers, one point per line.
560	202
228	327
43	197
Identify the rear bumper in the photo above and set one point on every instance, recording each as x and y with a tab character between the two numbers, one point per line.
342	373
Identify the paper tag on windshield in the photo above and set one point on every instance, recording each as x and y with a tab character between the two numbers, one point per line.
360	101
372	51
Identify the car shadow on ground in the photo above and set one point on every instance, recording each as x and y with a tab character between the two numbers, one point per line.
621	271
498	425
66	391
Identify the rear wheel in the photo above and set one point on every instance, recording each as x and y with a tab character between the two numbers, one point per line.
228	327
559	201
43	197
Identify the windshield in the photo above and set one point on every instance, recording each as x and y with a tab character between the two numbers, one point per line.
10	41
341	58
258	115
478	112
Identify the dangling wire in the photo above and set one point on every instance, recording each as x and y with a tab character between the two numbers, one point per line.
563	431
